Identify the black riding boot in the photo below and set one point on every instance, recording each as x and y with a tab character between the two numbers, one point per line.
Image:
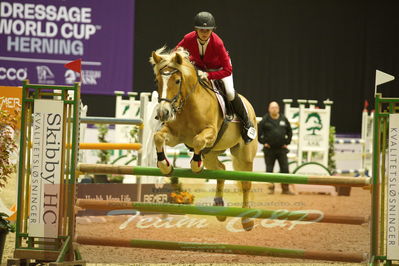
248	131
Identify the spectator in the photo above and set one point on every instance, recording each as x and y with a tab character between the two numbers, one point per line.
275	133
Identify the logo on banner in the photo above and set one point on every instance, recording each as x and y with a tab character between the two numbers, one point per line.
313	126
13	73
45	75
39	28
10	100
9	103
89	77
313	123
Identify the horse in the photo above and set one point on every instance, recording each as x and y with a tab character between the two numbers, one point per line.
190	114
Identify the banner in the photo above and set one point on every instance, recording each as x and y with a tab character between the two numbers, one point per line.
38	37
46	168
314	129
153	193
392	237
10	98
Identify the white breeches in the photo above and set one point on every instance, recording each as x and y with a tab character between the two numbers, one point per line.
229	85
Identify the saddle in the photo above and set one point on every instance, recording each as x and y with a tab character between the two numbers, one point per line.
227	107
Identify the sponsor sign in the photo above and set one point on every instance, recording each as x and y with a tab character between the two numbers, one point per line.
45	168
11	99
154	193
37	37
314	129
392	227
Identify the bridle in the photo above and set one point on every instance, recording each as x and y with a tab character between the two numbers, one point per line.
177	108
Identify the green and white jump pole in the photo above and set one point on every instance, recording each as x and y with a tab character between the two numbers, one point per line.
223	248
227	175
302	216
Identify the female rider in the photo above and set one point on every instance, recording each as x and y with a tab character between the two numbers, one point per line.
209	55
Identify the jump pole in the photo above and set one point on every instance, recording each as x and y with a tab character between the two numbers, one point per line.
223	248
220	211
110	120
110	146
226	175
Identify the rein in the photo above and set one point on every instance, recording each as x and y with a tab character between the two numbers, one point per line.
202	82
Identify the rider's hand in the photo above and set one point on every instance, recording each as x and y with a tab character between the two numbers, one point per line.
202	74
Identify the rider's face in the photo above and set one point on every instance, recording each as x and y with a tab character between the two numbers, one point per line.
204	34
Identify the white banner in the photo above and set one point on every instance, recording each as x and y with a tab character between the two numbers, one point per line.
393	189
45	168
314	129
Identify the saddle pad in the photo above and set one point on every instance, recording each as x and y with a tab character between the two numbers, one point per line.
222	105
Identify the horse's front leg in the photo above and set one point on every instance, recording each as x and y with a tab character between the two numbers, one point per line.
206	138
161	138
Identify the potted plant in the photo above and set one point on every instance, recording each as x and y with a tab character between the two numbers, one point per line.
8	125
182	197
5	228
179	195
331	150
103	155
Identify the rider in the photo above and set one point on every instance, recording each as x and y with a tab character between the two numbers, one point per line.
208	53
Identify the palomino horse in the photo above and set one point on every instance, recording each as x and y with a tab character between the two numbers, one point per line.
191	115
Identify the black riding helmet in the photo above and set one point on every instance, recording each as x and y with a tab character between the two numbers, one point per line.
204	20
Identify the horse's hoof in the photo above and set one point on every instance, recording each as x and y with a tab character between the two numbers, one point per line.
221	218
196	166
165	167
247	223
219	202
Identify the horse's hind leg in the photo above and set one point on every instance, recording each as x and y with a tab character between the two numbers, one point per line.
242	157
212	162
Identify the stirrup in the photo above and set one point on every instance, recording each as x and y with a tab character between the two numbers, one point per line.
251	132
248	134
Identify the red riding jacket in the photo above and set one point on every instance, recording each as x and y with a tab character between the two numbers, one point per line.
215	57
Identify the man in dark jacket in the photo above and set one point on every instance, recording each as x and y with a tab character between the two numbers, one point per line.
275	133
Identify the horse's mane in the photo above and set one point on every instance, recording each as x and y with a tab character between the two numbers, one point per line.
185	68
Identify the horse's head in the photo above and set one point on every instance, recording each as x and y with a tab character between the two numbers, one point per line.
170	70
